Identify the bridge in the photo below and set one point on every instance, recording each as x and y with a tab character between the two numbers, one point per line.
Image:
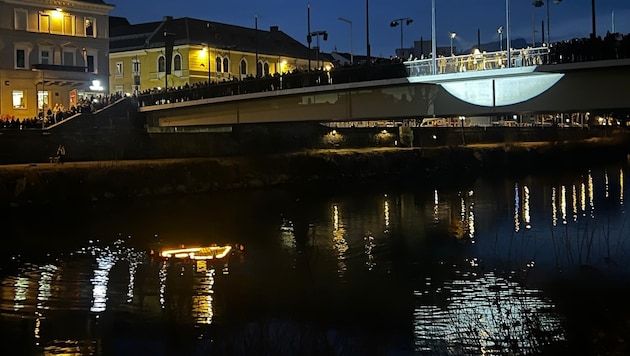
479	84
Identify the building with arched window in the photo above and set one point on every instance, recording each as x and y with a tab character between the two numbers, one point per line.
53	52
185	51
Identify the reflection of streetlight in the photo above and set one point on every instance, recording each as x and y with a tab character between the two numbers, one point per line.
500	32
452	35
351	48
397	22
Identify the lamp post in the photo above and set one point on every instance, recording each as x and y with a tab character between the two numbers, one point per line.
593	18
433	39
351	47
308	34
548	21
324	34
452	35
396	22
367	29
500	32
507	28
256	28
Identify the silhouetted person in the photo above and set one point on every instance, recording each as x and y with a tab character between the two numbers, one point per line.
61	153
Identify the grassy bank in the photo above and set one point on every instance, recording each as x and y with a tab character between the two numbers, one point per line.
103	180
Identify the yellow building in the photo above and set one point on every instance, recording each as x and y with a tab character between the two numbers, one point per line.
199	51
51	53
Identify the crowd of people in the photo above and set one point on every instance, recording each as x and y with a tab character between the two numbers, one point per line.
50	116
612	46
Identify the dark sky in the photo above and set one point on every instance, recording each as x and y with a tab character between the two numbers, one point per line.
568	19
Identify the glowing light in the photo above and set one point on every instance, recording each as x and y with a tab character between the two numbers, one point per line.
526	208
591	193
517	208
96	86
554	207
621	186
198	253
339	242
563	204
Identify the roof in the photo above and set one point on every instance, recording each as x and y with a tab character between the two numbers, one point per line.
124	36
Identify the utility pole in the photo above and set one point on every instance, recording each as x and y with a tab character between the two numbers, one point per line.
367	29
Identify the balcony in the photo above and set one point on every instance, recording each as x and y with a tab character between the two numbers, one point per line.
59	68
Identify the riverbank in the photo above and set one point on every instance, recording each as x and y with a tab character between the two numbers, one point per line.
49	183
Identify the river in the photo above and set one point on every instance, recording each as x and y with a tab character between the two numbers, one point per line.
534	264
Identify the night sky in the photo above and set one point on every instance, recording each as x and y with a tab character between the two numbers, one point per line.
568	19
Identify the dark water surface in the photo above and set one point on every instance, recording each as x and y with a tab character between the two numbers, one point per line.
529	265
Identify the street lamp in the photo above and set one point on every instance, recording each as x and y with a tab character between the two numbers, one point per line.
317	34
433	39
507	28
351	47
500	32
400	21
452	35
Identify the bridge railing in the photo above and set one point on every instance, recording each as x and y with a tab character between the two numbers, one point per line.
478	61
351	74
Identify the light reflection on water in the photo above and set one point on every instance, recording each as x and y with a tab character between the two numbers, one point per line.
347	247
481	313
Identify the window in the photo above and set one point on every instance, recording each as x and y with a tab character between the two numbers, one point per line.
135	66
44	56
243	67
68	25
177	62
219	61
91	65
68	57
19	99
42	99
56	23
44	23
20	58
265	69
226	65
90	27
21	20
119	89
161	64
119	69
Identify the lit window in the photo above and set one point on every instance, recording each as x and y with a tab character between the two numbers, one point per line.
119	69
19	99
44	23
68	25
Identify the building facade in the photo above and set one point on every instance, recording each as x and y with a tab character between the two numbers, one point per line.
51	54
199	52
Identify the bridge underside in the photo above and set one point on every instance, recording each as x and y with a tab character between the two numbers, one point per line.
547	89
